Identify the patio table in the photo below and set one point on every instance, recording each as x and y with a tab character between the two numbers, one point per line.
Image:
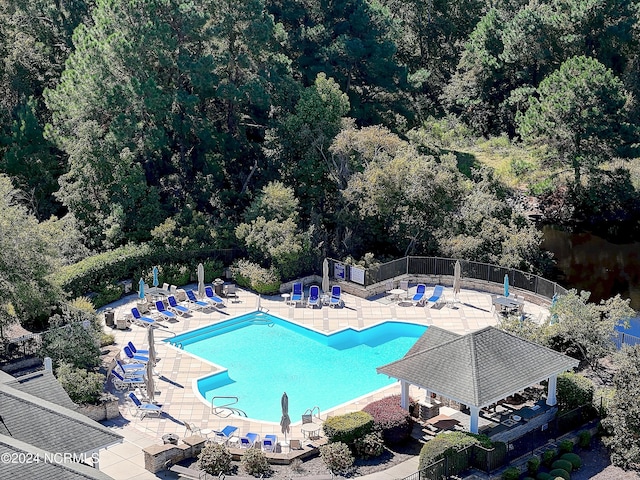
396	292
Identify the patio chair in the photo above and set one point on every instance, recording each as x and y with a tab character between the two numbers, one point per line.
434	299
163	312
138	319
195	303
336	297
249	440
137	351
212	298
421	293
132	356
269	443
125	383
175	307
144	409
297	293
314	296
223	436
192	429
229	290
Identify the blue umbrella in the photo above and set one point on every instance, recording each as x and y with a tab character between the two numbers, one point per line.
141	288
506	285
155	276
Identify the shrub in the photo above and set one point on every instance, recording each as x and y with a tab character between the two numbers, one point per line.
74	343
81	386
107	294
574	459
107	339
296	465
389	418
447	444
255	462
543	476
563	464
574	390
250	275
533	464
548	457
337	457
371	445
511	473
566	446
347	428
215	459
558	472
584	439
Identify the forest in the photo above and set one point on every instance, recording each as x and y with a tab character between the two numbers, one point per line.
296	130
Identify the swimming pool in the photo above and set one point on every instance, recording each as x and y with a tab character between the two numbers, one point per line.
264	356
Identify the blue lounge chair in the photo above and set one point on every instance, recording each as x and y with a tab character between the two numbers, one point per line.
213	298
249	440
297	293
131	369
140	320
137	351
138	358
143	409
195	303
175	307
336	297
269	443
419	297
438	290
163	312
314	296
223	436
124	383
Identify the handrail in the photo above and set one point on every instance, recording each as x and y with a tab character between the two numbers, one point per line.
220	409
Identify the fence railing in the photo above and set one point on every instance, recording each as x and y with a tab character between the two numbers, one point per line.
625	339
443	266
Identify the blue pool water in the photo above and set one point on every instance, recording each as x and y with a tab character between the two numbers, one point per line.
266	356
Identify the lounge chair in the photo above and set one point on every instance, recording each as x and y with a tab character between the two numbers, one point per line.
131	370
434	299
297	293
269	443
176	308
132	356
143	409
212	298
137	351
249	440
336	297
194	302
421	292
223	436
163	312
314	296
125	383
138	319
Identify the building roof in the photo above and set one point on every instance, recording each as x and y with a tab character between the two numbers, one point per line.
43	384
32	462
479	368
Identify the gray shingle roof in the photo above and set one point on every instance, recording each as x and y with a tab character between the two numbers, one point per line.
479	368
39	466
432	337
43	384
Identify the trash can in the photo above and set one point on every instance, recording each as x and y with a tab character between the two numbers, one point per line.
170	438
109	316
217	286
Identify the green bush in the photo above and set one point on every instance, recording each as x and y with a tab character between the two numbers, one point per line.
389	418
255	463
563	464
337	457
511	473
447	444
548	457
72	343
584	439
533	465
565	446
215	459
107	294
253	276
348	427
543	476
574	390
107	339
81	386
574	459
369	446
559	472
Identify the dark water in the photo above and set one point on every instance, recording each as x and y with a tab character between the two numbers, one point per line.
588	262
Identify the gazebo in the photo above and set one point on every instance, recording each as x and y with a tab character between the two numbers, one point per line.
477	369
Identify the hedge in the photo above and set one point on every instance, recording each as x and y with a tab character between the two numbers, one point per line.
447	444
390	419
348	427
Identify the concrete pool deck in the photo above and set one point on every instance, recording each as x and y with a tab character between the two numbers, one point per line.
178	370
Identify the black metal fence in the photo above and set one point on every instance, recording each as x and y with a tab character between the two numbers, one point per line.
19	348
443	266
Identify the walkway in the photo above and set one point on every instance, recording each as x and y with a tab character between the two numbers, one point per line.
177	370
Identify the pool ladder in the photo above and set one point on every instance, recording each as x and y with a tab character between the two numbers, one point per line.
226	409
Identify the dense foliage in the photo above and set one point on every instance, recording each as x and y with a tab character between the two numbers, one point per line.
390	419
348	427
81	385
574	390
447	444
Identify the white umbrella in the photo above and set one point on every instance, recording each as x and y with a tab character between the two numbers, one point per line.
325	276
285	421
456	279
200	280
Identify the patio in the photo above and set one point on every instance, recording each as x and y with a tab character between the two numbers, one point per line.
177	370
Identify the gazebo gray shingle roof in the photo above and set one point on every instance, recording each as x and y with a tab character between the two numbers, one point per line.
479	368
43	384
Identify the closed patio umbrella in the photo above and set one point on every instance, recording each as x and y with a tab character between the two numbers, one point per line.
141	289
506	285
285	421
152	345
325	276
150	382
155	277
456	279
200	280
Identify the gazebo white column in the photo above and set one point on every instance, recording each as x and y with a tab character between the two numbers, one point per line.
473	419
551	391
404	394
